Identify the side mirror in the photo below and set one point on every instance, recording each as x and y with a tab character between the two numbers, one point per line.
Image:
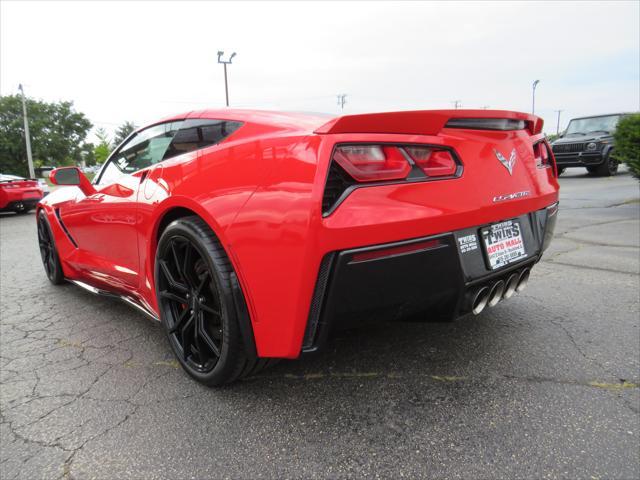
72	176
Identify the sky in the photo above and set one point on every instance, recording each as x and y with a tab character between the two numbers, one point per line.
141	61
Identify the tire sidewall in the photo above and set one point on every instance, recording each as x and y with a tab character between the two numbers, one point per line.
57	277
612	165
229	327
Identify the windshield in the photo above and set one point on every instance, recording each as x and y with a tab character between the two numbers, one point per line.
594	124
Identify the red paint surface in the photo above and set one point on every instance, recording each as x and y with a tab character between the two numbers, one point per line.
260	191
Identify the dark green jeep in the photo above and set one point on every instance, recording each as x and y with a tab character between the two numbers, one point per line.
588	142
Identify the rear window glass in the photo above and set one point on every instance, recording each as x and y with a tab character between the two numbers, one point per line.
200	133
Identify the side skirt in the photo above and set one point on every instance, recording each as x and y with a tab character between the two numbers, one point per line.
125	298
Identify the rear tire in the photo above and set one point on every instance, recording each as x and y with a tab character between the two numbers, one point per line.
608	168
48	250
196	305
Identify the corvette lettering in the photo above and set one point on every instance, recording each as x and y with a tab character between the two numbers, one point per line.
511	196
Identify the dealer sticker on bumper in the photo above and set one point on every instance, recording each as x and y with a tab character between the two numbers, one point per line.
503	243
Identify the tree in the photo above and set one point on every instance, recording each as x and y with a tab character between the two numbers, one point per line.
627	147
123	132
102	150
57	132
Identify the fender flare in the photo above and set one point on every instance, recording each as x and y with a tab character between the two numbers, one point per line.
606	151
245	312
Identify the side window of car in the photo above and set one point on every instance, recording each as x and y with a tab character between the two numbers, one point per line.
197	133
142	150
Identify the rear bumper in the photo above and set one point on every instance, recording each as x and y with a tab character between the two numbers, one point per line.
427	278
20	205
580	159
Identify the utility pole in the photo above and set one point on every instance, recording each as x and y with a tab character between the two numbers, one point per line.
225	63
342	99
456	104
27	137
533	97
558	124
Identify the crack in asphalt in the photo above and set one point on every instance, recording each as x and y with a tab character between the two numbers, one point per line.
56	399
585	267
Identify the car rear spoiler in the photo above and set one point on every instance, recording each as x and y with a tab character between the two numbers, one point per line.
429	122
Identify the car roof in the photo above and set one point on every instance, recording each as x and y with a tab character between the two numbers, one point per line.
296	121
603	115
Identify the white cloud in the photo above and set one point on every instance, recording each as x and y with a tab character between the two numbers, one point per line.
140	61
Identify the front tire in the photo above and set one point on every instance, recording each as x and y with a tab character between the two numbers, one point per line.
194	293
608	168
48	250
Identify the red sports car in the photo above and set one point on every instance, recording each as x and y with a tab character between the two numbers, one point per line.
19	194
251	234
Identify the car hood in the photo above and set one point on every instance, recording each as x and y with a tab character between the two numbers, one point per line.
583	138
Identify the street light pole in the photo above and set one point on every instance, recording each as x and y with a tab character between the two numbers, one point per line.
342	99
533	101
27	138
558	124
224	64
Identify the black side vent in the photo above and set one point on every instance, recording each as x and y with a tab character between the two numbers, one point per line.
338	181
313	322
64	227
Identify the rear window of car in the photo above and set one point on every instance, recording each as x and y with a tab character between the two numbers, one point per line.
195	134
166	140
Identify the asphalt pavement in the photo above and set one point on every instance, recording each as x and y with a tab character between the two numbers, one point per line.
544	385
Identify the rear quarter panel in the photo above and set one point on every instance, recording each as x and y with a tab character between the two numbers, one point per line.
280	236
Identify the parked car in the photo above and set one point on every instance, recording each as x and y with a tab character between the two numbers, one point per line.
588	142
20	195
250	235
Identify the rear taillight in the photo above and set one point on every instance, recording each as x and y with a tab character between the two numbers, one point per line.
433	162
372	163
541	154
356	165
379	163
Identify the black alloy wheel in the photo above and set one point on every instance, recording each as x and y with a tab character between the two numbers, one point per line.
193	277
48	252
608	168
191	303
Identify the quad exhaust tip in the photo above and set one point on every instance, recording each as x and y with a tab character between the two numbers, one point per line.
511	286
490	295
497	290
523	280
480	300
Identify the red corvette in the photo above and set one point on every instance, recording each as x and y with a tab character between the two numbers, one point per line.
19	194
251	234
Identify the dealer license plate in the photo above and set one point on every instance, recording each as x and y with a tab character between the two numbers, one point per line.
503	243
